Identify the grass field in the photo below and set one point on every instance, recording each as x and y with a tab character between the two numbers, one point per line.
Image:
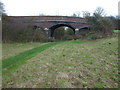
74	64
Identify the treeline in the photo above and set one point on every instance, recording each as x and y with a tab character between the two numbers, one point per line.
102	26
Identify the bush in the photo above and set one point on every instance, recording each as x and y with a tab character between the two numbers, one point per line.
52	39
67	37
115	33
91	37
18	32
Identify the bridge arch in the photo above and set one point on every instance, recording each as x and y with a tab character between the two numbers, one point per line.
53	27
84	27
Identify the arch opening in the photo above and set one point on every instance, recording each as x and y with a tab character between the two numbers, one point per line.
55	27
84	31
84	27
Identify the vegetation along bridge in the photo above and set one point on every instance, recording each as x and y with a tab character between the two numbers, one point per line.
48	23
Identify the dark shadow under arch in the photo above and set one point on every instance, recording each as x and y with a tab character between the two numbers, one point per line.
52	28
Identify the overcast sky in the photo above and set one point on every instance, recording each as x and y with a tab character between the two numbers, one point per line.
57	7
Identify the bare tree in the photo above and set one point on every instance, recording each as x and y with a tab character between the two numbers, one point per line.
76	14
86	14
99	12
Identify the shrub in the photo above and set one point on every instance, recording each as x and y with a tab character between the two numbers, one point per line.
67	37
52	39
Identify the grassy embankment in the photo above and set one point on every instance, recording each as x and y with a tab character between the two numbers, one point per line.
89	64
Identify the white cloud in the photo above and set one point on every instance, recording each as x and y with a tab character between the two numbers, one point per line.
62	7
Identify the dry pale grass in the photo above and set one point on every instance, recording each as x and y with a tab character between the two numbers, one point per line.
88	65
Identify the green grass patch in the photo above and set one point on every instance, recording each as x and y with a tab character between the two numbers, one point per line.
98	85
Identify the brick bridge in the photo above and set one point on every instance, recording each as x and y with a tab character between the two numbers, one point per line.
50	23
